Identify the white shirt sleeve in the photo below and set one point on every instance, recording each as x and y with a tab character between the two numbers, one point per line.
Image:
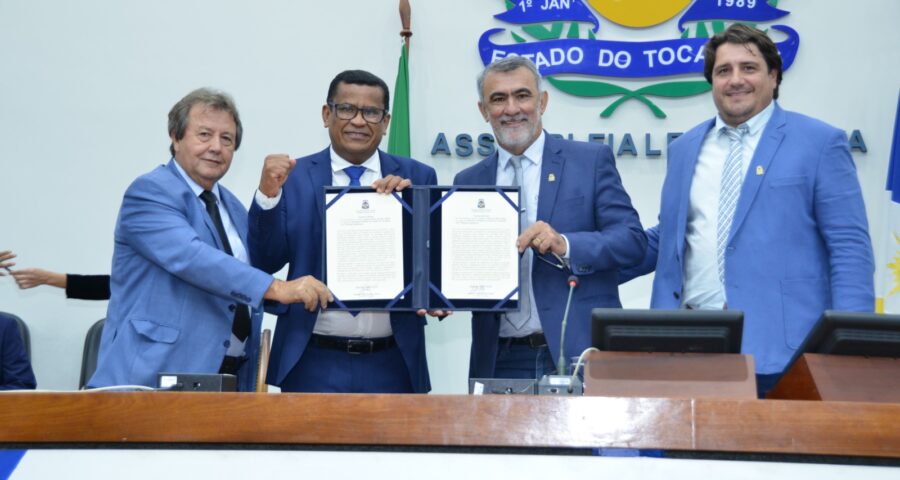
265	202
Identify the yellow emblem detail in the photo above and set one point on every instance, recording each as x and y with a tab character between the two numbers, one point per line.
551	178
638	13
759	170
895	268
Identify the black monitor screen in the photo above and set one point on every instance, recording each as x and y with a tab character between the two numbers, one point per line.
700	331
854	333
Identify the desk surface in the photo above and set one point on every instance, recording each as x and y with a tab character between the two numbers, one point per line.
772	426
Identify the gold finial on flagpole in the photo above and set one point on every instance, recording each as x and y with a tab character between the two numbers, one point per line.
405	15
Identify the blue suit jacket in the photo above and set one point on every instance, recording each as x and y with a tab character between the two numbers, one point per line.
799	240
15	368
173	287
291	233
587	203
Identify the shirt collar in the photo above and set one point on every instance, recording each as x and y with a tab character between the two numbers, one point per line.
338	163
195	187
534	152
755	124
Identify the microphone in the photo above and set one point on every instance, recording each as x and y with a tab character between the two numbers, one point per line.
561	362
561	384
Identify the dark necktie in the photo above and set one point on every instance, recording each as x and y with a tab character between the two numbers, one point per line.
355	173
241	325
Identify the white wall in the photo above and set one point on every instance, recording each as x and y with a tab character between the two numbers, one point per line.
85	88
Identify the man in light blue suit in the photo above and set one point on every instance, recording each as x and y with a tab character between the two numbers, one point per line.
336	351
761	211
577	219
181	285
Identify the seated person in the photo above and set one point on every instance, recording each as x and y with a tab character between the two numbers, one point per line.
15	368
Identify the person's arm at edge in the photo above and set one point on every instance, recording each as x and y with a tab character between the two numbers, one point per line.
87	287
648	264
841	218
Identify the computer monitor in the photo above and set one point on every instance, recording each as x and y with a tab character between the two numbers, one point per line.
682	331
854	333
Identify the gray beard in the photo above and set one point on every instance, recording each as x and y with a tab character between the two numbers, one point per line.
514	139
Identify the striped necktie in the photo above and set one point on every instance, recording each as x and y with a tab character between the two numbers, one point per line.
732	180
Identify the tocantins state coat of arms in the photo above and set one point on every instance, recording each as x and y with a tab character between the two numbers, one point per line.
565	40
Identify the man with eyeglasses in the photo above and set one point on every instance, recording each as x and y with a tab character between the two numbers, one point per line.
577	219
336	351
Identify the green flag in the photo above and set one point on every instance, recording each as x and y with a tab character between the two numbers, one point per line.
398	138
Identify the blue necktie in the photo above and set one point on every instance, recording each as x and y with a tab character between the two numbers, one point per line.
355	173
732	180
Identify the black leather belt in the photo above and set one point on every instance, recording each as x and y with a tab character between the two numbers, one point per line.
535	340
353	345
231	364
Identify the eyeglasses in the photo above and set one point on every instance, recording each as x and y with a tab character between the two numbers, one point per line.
552	259
346	111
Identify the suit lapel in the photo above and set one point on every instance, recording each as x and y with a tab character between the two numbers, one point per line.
193	202
551	167
319	176
236	212
768	145
389	165
487	175
686	177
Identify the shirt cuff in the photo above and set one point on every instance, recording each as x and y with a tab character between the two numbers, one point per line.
568	248
265	202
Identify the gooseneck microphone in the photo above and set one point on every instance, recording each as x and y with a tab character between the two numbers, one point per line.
561	362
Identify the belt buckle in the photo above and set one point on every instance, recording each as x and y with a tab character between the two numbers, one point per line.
356	346
535	340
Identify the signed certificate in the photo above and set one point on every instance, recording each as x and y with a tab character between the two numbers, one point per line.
364	245
479	259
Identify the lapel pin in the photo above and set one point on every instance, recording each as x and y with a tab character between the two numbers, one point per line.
759	170
551	178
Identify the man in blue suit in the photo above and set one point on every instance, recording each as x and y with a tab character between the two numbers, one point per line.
336	351
761	211
180	284
578	217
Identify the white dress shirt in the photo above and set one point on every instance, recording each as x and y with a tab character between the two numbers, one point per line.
702	288
342	323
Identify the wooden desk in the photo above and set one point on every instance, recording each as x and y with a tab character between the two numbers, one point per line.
788	427
840	378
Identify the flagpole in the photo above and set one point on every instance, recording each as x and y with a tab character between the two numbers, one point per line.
398	136
405	15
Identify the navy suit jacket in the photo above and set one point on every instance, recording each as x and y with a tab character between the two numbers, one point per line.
581	196
291	233
15	368
799	240
173	288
